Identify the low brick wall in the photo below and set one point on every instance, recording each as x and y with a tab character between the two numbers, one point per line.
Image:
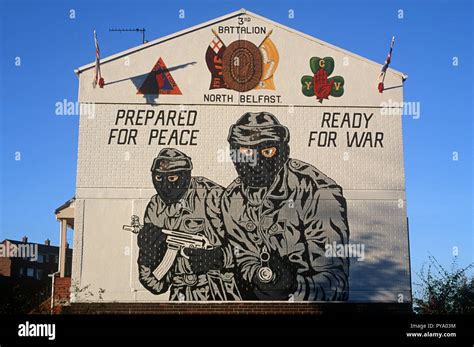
62	288
234	308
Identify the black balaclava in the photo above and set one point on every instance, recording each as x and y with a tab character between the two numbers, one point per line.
171	174
171	186
260	171
261	134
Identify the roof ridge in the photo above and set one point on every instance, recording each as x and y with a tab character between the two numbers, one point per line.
223	18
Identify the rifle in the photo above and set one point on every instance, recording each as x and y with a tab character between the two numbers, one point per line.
178	241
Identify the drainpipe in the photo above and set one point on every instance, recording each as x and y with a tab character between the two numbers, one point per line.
53	275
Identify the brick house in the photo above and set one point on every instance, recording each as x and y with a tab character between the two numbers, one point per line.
43	263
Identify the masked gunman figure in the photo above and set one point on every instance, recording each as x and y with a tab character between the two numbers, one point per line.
188	206
279	215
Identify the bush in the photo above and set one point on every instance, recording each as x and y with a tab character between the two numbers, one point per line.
444	291
20	296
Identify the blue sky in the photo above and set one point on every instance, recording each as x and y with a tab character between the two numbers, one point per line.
51	46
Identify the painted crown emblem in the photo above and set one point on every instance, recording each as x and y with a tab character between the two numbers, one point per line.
164	164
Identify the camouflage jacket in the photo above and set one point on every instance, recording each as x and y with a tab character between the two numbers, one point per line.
197	213
296	217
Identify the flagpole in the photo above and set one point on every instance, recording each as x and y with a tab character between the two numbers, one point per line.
214	32
266	37
94	82
391	47
385	66
98	79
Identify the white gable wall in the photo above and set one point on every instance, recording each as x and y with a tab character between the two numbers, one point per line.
113	180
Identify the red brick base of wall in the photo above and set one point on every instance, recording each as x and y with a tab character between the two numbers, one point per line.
235	308
62	289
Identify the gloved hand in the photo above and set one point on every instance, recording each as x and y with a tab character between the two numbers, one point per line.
203	260
152	244
284	279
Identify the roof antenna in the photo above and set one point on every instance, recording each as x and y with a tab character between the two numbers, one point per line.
135	30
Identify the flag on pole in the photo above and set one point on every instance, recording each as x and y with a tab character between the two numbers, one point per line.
385	67
97	75
270	63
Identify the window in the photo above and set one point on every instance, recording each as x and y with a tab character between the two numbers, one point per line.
56	259
39	274
30	272
40	258
21	271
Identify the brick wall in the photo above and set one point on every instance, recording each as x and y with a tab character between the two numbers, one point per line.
248	308
5	266
62	287
112	166
113	182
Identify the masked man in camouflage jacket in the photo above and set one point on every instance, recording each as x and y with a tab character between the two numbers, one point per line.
279	215
190	205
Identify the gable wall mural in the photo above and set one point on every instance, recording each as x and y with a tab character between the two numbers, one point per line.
241	161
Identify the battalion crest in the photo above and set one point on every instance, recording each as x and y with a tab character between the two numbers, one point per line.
242	66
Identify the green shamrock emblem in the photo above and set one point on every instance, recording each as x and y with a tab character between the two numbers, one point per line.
320	84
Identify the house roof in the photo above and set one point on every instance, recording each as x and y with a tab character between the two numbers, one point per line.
65	205
19	241
223	18
42	246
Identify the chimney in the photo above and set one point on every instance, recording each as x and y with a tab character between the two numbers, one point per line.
67	244
24	239
47	242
